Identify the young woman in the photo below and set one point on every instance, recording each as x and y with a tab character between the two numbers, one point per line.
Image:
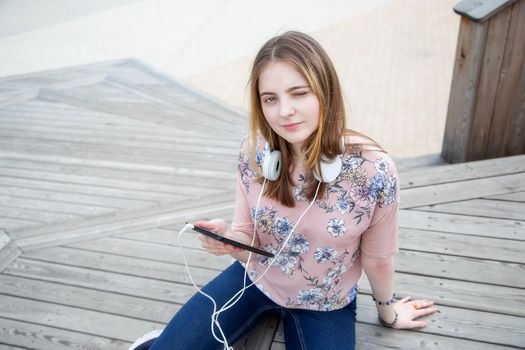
329	213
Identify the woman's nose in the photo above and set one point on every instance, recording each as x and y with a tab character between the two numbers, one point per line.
286	108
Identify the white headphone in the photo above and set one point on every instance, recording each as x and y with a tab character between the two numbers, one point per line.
330	169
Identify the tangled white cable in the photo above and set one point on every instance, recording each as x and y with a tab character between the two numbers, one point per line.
233	300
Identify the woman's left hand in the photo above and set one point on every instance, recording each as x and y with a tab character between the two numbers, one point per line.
410	310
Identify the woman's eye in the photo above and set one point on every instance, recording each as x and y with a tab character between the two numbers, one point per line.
269	99
301	93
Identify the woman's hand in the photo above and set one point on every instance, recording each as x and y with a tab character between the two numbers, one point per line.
213	246
410	310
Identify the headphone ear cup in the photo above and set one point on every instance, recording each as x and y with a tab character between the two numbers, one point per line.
272	165
330	170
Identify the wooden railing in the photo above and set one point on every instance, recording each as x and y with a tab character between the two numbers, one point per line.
486	111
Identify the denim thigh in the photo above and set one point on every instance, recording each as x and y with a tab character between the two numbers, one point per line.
316	330
190	328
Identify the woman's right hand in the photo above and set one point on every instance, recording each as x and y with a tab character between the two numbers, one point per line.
214	246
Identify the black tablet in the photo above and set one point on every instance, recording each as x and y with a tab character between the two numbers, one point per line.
231	241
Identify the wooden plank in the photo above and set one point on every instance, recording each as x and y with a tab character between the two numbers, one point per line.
99	141
166	175
36	336
504	250
93	123
62	120
9	251
515	128
198	203
410	163
35	215
261	337
139	266
90	190
91	299
18	96
152	113
474	325
65	71
468	61
55	112
162	291
149	251
166	136
177	189
483	116
81	81
121	222
175	85
278	345
61	316
507	129
463	171
456	293
74	161
161	235
460	268
14	224
10	347
457	191
481	10
481	207
222	163
468	225
74	198
54	206
118	153
166	235
185	100
515	197
375	337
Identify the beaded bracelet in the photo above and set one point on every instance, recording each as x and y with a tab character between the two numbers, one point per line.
388	302
386	324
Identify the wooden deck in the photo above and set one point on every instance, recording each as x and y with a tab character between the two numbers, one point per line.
100	166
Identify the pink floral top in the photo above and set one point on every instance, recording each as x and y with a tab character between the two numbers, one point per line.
320	266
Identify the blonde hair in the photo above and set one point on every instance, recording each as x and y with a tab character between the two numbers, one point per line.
307	56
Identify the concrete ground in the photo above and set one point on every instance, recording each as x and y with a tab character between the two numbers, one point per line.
394	57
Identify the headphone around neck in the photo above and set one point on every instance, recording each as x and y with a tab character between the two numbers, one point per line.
330	169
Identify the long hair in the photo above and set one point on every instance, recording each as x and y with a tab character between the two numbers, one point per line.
307	56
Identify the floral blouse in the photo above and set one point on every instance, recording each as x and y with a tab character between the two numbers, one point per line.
320	266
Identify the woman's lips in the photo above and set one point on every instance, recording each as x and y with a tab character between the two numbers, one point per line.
292	126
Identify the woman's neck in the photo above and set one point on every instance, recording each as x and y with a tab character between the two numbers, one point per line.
297	153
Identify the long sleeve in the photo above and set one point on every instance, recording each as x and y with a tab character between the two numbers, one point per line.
381	237
242	220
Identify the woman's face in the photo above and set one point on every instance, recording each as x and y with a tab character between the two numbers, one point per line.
288	103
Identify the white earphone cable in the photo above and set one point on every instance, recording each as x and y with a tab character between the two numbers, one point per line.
233	300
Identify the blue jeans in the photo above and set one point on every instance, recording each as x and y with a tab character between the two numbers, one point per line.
303	329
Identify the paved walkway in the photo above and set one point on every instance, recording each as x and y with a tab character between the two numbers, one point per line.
394	57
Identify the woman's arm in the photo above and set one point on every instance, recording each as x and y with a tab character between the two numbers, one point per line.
380	273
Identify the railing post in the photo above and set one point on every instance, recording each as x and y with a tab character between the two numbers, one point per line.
486	111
